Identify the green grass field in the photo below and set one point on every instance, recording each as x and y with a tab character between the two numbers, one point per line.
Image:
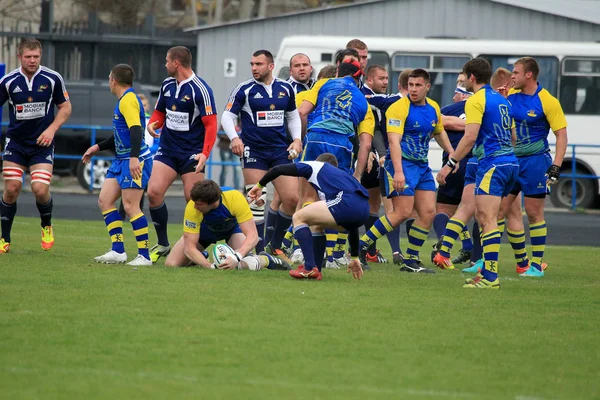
74	329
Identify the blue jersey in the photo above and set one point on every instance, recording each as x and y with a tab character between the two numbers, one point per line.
534	116
416	124
492	111
128	112
263	108
300	87
328	180
340	107
184	105
31	103
454	110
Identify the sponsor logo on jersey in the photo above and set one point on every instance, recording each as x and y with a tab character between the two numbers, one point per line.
28	111
208	110
116	116
531	113
394	122
66	95
269	118
185	98
258	96
281	95
42	88
416	125
190	224
178	121
17	90
433	123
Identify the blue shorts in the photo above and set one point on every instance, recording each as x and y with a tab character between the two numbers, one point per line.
418	176
471	171
208	237
532	175
496	176
264	159
350	210
119	170
451	192
317	143
180	162
27	155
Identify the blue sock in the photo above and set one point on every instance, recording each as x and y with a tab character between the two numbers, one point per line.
270	225
160	218
408	224
319	243
283	221
7	212
394	238
260	227
139	223
372	249
304	237
45	212
477	252
439	224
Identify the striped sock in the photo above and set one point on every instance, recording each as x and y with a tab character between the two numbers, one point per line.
517	242
501	225
416	238
465	237
114	225
288	238
340	245
139	223
331	239
381	227
538	233
454	228
491	248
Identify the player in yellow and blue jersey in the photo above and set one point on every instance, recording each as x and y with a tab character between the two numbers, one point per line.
130	171
406	176
214	214
489	131
536	112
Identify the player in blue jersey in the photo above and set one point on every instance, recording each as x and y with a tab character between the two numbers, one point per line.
268	111
130	171
185	110
407	177
339	202
489	131
536	112
32	91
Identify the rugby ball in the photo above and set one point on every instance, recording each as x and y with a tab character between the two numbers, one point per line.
220	252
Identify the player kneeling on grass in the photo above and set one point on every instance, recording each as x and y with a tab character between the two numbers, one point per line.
341	203
214	214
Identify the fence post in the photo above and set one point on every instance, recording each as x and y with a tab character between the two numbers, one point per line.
93	142
573	185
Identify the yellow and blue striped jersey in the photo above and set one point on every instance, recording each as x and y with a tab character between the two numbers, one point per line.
534	116
492	111
128	112
233	210
340	107
416	124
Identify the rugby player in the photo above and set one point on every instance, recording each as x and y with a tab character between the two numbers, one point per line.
129	172
32	91
219	213
267	107
490	129
185	110
339	202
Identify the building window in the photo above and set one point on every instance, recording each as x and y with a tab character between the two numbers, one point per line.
178	6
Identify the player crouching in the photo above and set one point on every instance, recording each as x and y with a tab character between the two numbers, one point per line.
341	203
214	214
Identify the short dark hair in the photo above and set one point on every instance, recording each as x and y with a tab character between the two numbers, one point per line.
356	44
373	68
328	158
327	71
206	191
181	54
420	73
403	78
123	74
480	68
529	65
299	54
339	56
29	43
265	53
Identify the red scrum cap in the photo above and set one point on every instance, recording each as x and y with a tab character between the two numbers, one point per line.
348	67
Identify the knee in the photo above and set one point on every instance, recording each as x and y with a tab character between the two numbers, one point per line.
40	190
170	262
11	191
155	197
104	205
289	203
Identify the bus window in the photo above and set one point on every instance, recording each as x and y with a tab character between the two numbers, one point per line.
379	58
580	86
284	73
548	76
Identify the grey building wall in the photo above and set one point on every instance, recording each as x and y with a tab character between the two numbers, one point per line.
478	19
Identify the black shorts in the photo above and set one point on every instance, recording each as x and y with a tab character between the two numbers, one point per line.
451	192
370	180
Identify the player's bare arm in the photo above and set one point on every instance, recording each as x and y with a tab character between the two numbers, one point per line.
63	114
190	249
396	156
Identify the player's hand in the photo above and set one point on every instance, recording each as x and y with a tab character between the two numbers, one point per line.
355	268
503	90
152	130
87	156
135	168
382	161
294	149
254	193
443	174
229	263
399	182
237	146
46	138
552	174
370	160
201	158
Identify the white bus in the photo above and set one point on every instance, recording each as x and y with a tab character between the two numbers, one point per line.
568	70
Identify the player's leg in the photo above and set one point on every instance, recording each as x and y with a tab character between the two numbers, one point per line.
41	176
373	255
109	194
515	229
287	187
424	203
251	177
13	182
256	262
271	217
163	175
393	236
139	223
